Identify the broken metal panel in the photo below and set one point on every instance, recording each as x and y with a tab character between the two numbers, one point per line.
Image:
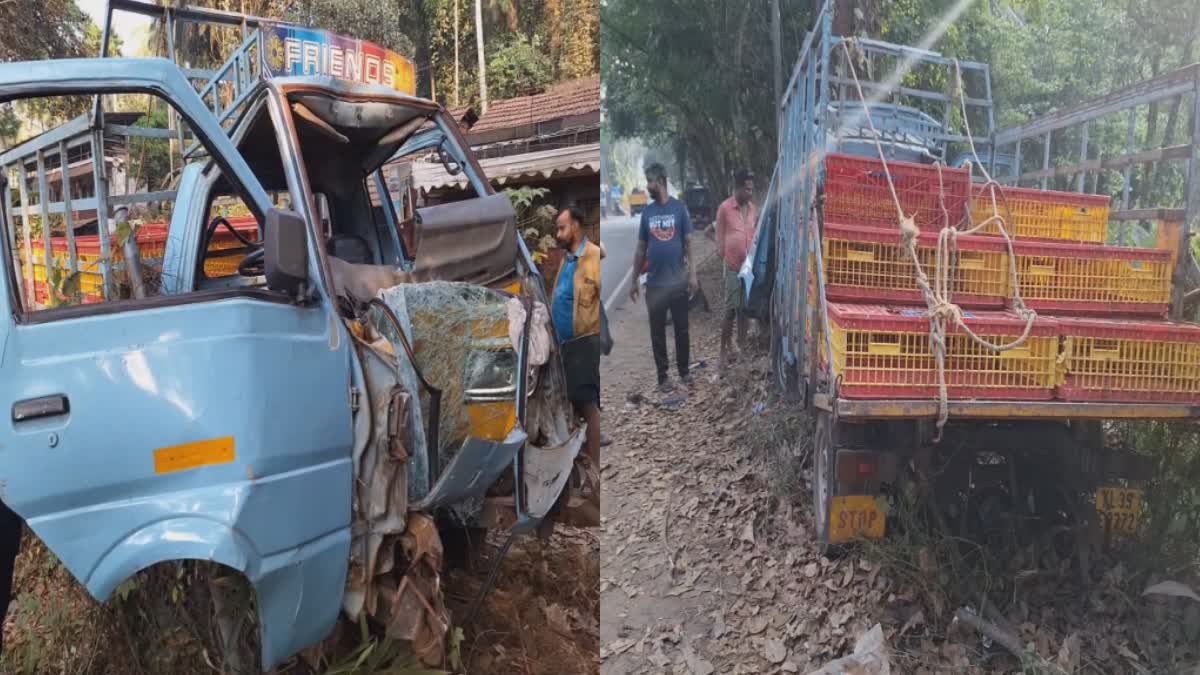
413	609
547	470
471	240
458	333
380	472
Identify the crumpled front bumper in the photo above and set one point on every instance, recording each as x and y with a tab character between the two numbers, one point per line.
474	468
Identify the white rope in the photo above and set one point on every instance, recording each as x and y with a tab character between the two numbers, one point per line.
940	308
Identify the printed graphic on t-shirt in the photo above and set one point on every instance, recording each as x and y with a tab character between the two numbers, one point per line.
663	227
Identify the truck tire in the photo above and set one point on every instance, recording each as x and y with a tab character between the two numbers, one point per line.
824	447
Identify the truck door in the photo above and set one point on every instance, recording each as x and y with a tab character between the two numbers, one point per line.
211	425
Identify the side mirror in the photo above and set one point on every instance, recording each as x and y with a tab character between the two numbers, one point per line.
285	245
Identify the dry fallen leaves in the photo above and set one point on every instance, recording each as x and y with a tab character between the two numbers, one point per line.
696	664
747	534
1068	655
757	624
1172	588
775	651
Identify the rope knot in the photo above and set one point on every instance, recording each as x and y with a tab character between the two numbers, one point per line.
908	231
946	311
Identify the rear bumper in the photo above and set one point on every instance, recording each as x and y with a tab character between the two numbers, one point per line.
997	410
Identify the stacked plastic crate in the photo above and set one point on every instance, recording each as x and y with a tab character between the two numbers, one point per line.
1101	332
223	258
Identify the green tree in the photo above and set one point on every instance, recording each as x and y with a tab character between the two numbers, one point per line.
42	29
150	158
698	79
10	125
518	68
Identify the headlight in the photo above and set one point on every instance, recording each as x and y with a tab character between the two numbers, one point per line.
491	393
491	375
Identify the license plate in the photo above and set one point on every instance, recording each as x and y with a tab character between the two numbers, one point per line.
1119	508
851	516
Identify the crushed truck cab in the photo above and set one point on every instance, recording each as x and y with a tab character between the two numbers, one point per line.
265	377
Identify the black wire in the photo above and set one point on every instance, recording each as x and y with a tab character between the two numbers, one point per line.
212	229
491	578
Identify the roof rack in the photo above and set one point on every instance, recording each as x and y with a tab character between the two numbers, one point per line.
268	48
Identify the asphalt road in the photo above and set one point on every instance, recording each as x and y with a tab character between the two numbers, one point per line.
620	243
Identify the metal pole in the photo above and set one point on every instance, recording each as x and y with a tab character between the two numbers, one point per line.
99	173
23	193
1045	158
1016	172
1083	152
173	121
11	227
44	209
483	101
456	21
1191	208
778	65
1126	177
68	217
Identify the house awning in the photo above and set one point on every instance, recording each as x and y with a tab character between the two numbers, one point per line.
541	164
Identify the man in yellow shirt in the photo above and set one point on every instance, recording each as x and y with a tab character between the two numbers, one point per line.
575	309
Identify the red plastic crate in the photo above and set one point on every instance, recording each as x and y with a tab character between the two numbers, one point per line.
1068	278
1122	360
867	264
151	238
884	353
856	192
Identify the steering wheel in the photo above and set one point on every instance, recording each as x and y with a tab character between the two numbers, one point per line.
250	266
253	265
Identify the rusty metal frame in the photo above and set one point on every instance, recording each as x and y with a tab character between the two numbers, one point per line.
1183	83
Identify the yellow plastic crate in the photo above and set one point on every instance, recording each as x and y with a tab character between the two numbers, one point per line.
868	265
1123	360
1044	214
1085	278
89	282
884	353
222	266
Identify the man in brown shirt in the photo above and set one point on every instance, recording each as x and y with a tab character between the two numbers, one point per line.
736	220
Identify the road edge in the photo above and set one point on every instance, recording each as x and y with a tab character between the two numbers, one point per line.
608	304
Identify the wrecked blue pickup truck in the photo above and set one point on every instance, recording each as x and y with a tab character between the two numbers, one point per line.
298	396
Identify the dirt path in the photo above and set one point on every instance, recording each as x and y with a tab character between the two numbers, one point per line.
699	570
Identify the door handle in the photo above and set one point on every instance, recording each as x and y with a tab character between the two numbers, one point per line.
44	406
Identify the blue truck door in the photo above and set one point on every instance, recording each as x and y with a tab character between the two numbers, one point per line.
212	425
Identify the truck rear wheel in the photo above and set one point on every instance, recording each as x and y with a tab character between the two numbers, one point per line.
824	447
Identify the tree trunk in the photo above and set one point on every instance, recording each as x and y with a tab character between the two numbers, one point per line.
857	17
739	116
483	97
1173	115
1143	187
423	54
853	18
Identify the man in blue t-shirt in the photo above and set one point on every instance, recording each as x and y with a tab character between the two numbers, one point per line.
665	253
